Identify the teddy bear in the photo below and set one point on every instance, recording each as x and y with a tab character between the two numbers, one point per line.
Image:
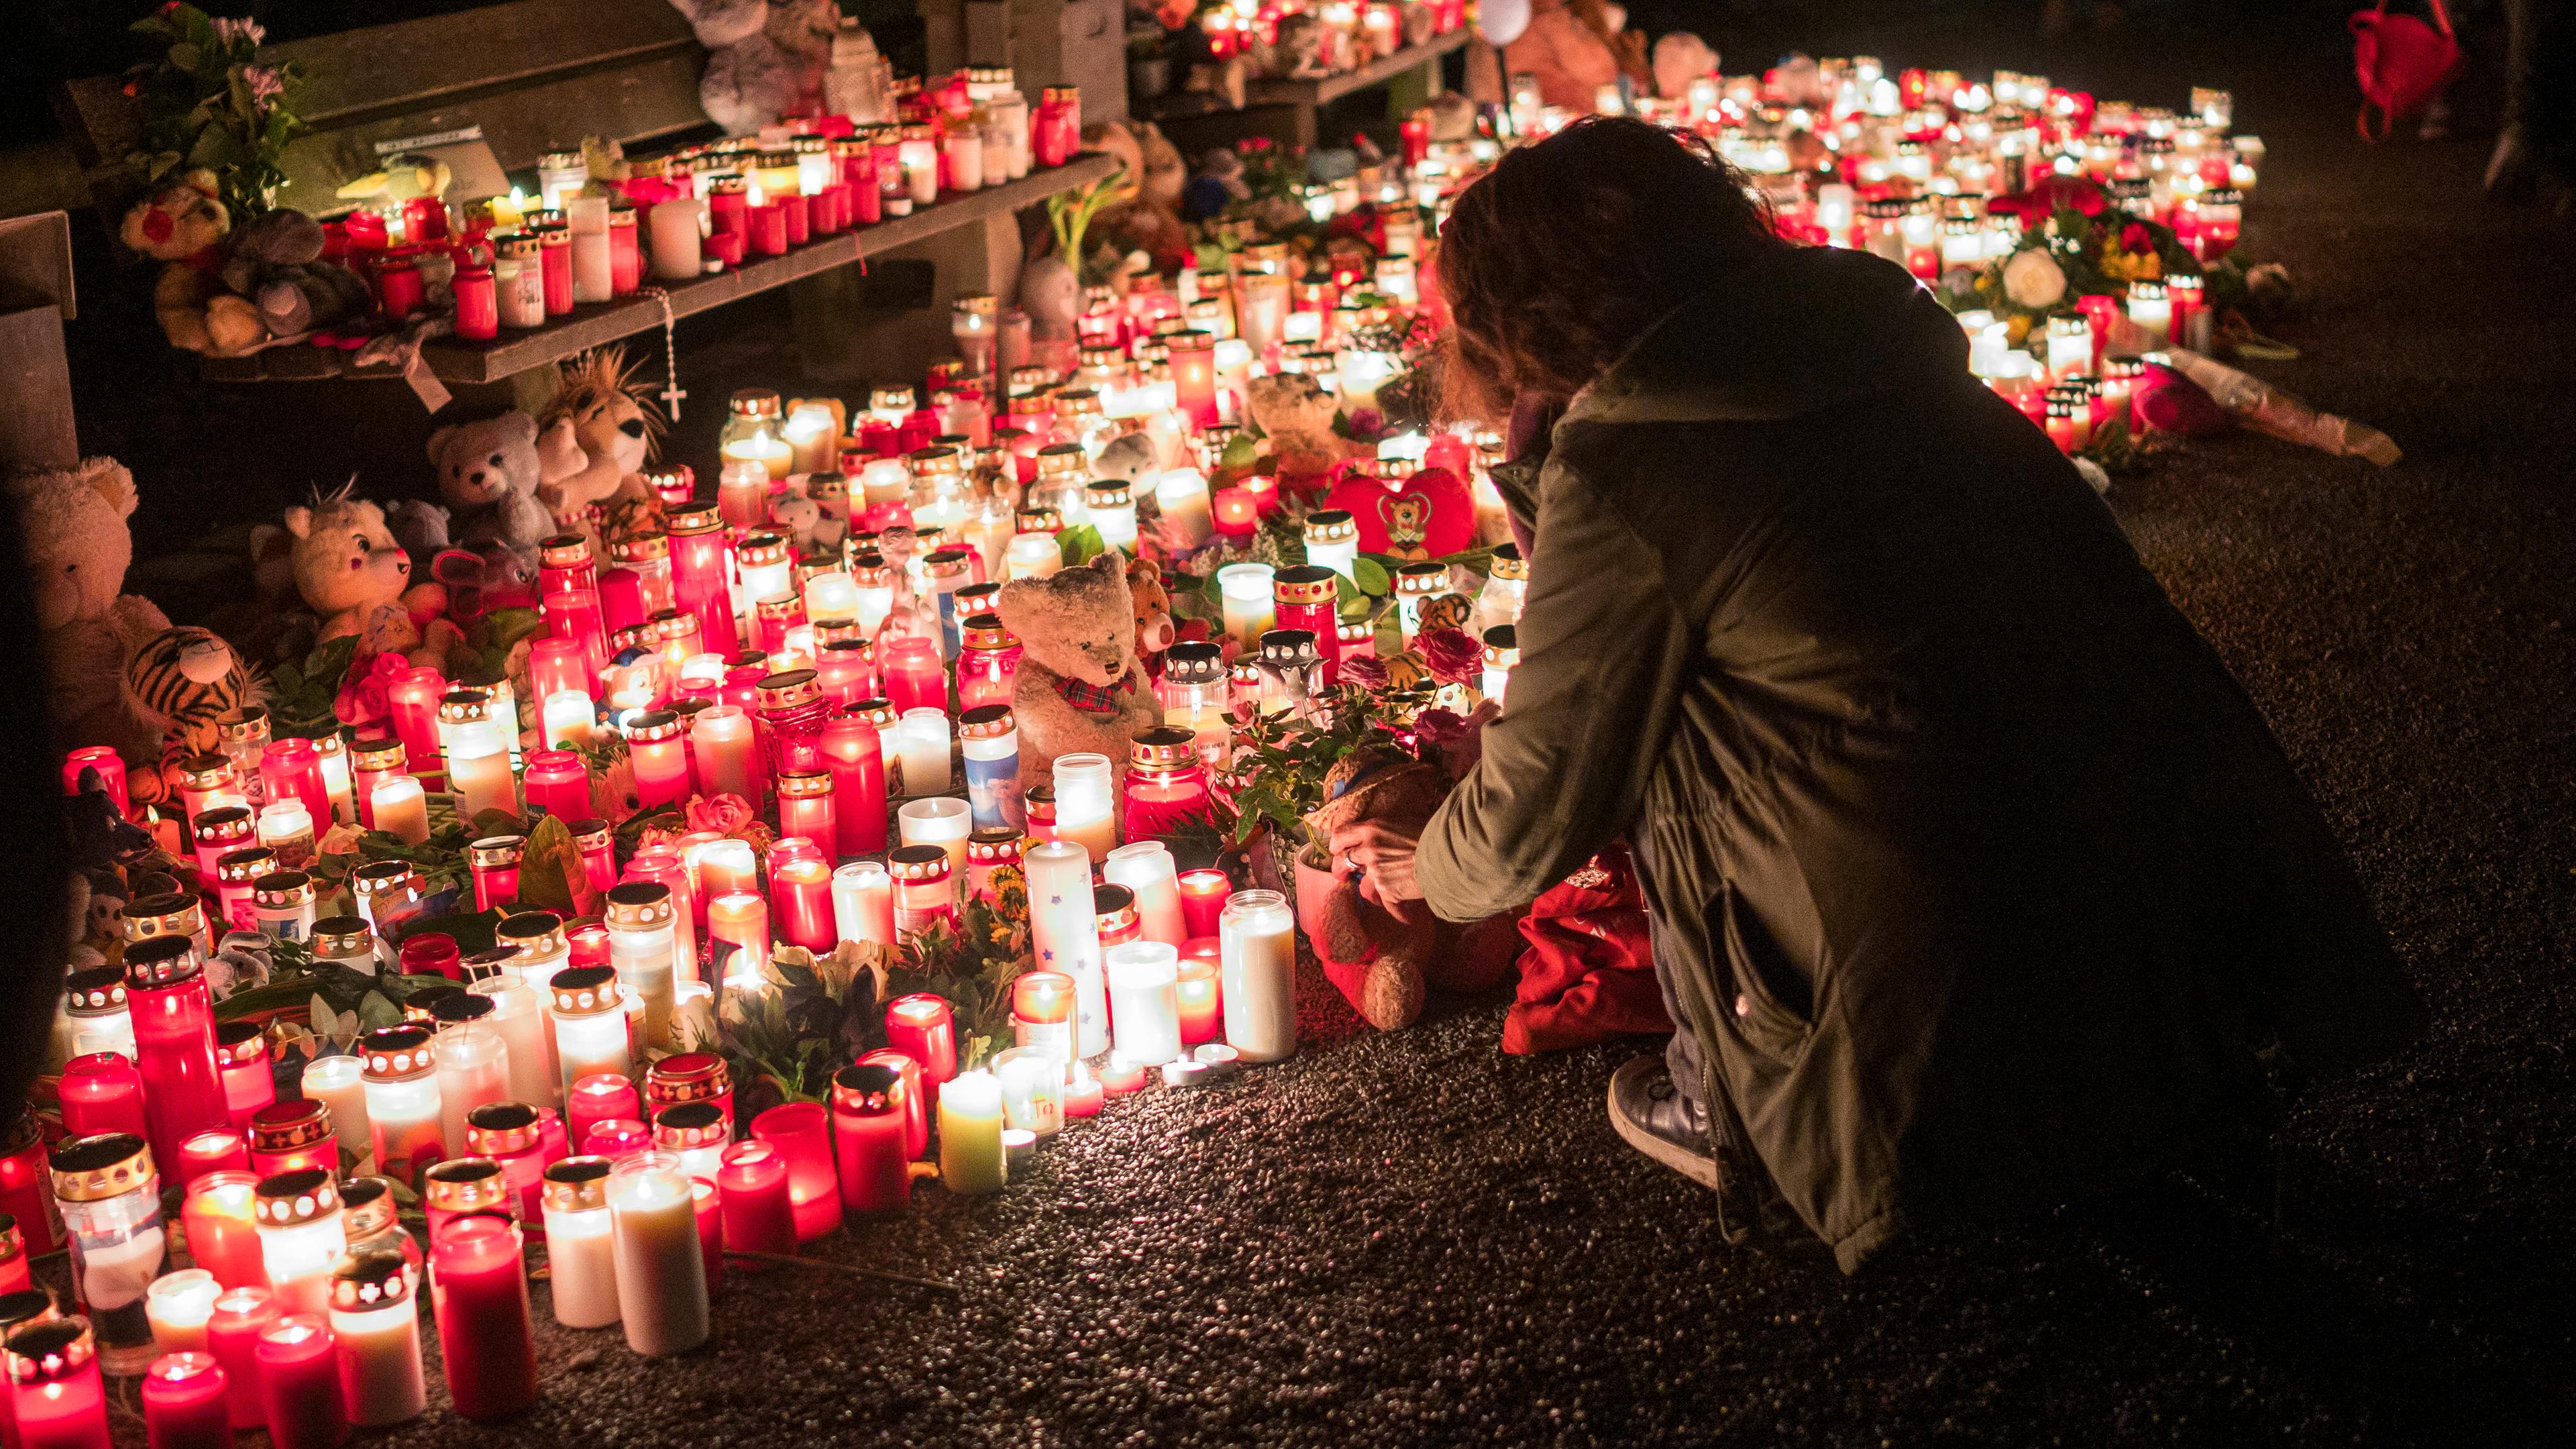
765	58
275	259
488	474
73	522
1079	687
1380	961
1151	603
1146	218
181	682
182	225
594	438
1295	413
357	579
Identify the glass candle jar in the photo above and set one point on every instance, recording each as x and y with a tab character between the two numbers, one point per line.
221	1214
241	1061
94	1006
283	905
992	858
801	1132
300	1237
738	940
401	1075
479	1292
970	1135
1258	975
690	1077
1085	803
693	1133
56	1397
991	745
110	1196
590	1023
924	893
174	1036
583	1269
375	1331
1166	785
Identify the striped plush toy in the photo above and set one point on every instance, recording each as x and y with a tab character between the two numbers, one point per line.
182	680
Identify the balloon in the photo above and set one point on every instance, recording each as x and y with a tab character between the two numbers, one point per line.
1502	21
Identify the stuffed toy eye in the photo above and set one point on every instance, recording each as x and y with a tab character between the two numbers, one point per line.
496	460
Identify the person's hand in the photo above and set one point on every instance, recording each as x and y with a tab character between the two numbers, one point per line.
1381	857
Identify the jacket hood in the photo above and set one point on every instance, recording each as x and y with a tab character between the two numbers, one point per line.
1794	331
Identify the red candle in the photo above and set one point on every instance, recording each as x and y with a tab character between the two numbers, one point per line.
916	1111
292	1136
758	1216
706	1200
223	1236
922	1027
805	810
14	1277
769	230
868	1139
1119	1075
111	773
241	1059
556	665
292	769
27	1187
1305	597
575	614
698	578
184	1403
413	698
102	1092
1237	512
1202	1006
1203	896
217	1149
802	890
914	676
299	1383
1082	1095
855	755
174	1037
799	214
616	1138
558	783
1193	359
241	1315
600	1097
479	1291
801	1132
55	1395
690	1077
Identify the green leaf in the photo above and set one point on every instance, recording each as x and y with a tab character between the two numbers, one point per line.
552	876
1372	577
375	1011
1080	544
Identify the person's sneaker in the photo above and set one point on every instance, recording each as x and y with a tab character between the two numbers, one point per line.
1650	1115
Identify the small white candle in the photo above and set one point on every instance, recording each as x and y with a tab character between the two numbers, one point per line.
863	902
177	1306
1064	931
473	1069
1032	1089
1033	556
478	770
1257	975
337	1083
401	808
944	821
1183	495
286	827
1085	803
721	743
520	1018
661	1274
1248	594
1147	868
579	1237
921	742
970	1134
1144	1000
831	594
570	718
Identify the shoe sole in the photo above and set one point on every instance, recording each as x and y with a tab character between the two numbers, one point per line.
1699	1169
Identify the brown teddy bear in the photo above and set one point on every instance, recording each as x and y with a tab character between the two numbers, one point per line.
352	573
1152	605
1079	686
181	225
78	547
1381	962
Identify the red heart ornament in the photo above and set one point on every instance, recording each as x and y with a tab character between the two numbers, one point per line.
1429	515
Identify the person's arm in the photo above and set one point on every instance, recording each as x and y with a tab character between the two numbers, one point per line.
1606	655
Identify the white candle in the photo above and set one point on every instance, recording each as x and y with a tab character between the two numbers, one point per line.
721	742
1086	803
590	1025
1147	868
831	594
377	1341
943	821
570	718
478	770
338	1084
1064	931
643	931
970	1134
298	1255
1033	556
1144	1000
661	1276
177	1306
590	271
863	902
1032	1080
921	742
404	1121
675	228
286	827
2152	310
1257	975
583	1264
812	442
473	1069
1249	598
520	1017
886	480
1183	494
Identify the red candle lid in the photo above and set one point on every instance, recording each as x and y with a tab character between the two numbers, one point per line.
687	1077
431	953
286	1126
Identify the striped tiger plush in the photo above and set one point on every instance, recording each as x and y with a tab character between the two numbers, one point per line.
182	680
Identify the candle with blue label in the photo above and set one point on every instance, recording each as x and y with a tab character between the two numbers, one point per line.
991	744
944	571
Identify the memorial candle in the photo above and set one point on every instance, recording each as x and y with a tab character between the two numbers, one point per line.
855	756
660	758
801	897
519	1015
287	1136
870	1138
174	1035
1064	933
102	1092
721	743
401	1075
375	1332
641	930
582	1273
1144	1002
661	1271
241	1061
991	745
241	1315
1083	1095
1203	894
970	1134
706	1205
694	1133
479	1292
217	1149
400	808
738	940
339	1083
1196	989
300	1237
1258	941
1085	803
478	769
1249	598
759	1216
473	1071
299	1384
56	1398
921	745
925	892
923	1027
184	1403
943	821
178	1305
513	1136
915	678
863	903
800	1132
589	1024
723	865
1032	1082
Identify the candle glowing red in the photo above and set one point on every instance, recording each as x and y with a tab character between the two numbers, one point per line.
101	1092
706	1201
922	1027
479	1290
869	1138
558	783
698	582
250	1080
413	698
223	1235
241	1315
1237	512
556	665
855	755
758	1216
111	773
600	1097
292	769
174	1038
916	1108
184	1403
617	1137
801	1132
914	676
1203	896
64	1404
217	1149
801	890
299	1384
1202	1006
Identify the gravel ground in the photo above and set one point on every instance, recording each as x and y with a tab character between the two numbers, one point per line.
1414	1239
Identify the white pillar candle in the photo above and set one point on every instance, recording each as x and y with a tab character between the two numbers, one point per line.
921	742
570	718
675	235
590	1024
970	1134
1147	868
1064	931
177	1306
582	1263
1183	495
1144	1000
478	770
473	1069
943	821
1033	556
400	808
590	271
1257	975
1032	1081
1086	803
298	1254
520	1018
831	594
863	902
661	1275
375	1334
721	743
1248	594
338	1084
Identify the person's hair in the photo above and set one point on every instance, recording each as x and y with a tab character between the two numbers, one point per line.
1569	249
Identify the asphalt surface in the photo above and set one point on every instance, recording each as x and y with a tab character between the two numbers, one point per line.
1413	1239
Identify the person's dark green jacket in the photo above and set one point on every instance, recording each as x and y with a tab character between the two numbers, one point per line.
1981	882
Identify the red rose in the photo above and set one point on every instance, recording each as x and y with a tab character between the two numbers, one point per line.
1451	656
2134	238
723	814
1365	670
361	699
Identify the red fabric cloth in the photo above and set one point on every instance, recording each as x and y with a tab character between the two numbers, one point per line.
1589	972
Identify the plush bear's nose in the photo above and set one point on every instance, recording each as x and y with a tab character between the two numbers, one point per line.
632	427
477	477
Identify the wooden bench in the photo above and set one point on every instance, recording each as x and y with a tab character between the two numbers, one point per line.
1412	76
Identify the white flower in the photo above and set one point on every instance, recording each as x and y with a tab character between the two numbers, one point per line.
228	31
2033	279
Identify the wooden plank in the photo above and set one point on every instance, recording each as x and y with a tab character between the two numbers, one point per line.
589	326
384	70
1327	89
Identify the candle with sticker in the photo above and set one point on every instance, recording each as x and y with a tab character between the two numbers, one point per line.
991	745
1032	1083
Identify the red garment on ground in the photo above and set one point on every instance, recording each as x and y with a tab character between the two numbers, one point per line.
1589	972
